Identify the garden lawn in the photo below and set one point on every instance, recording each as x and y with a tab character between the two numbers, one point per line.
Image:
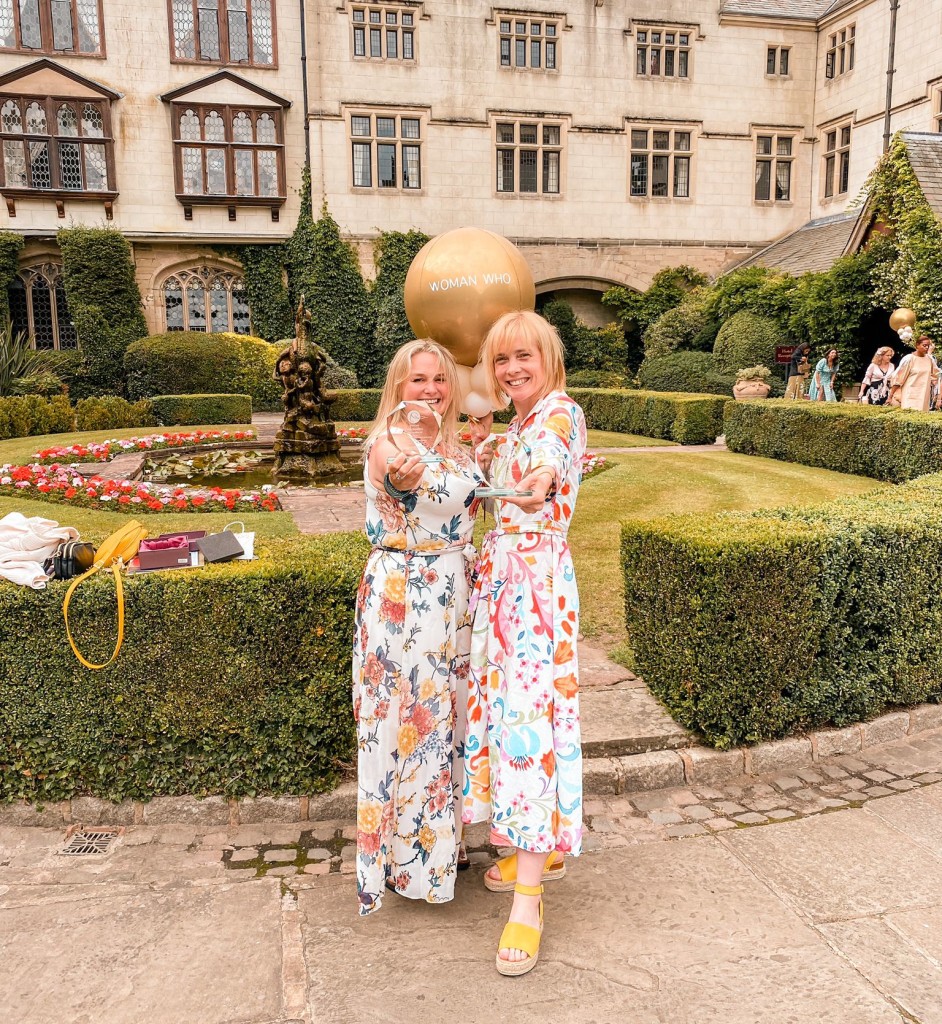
648	486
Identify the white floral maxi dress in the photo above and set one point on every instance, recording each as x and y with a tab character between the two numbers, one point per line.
523	752
410	664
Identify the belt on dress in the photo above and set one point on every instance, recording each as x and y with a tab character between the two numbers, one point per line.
514	531
411	552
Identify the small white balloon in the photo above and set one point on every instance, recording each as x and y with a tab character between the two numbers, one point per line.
479	379
475	404
464	379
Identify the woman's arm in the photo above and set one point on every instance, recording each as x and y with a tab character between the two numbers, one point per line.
404	469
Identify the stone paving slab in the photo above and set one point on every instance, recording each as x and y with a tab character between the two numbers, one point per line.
625	719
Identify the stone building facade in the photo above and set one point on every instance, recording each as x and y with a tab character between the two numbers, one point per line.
608	138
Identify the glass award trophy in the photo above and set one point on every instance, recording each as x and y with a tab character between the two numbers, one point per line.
422	424
490	456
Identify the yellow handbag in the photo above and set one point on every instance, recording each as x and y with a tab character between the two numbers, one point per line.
114	553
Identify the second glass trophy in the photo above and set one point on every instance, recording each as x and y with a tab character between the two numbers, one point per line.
495	459
422	424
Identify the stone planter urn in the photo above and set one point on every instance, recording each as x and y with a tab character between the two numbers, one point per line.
750	389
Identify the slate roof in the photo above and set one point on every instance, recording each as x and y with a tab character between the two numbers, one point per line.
803	9
925	156
814	246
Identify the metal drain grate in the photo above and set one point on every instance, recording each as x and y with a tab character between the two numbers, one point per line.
86	842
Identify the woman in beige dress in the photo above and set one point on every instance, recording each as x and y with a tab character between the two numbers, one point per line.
914	379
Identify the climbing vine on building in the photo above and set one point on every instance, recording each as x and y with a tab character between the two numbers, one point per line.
263	272
393	252
10	246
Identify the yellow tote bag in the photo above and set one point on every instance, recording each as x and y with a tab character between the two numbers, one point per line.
114	552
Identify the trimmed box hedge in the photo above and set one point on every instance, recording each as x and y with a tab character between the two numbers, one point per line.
183	410
887	444
753	626
233	679
111	413
31	415
688	419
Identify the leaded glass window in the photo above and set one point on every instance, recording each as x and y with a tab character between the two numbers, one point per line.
51	26
39	308
223	31
206	299
397	164
529	156
660	163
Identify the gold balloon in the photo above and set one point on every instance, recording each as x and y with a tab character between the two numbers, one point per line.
459	283
901	318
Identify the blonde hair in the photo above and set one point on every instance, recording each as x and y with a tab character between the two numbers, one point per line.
400	367
524	326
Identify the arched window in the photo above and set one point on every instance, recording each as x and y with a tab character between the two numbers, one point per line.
206	299
38	308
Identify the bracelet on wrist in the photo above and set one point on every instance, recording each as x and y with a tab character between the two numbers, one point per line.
390	488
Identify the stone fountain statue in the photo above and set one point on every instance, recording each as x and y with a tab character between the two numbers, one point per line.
307	445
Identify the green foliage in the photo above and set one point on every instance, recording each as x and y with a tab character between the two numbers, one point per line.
393	253
639	310
263	269
596	379
17	359
752	373
685	327
109	412
32	415
887	444
192	362
687	419
232	680
11	245
339	377
326	271
752	626
104	300
356	404
41	382
69	367
602	349
692	372
746	339
180	410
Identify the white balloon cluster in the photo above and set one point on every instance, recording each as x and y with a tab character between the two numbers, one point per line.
905	335
473	384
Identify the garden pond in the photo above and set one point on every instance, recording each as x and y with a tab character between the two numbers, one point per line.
244	469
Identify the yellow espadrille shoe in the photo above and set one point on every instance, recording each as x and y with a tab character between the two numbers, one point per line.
554	868
521	936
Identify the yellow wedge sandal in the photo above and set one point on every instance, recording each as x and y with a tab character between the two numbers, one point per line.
521	936
554	868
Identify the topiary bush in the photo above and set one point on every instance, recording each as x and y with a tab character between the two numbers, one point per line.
687	419
746	339
685	372
685	327
30	415
214	692
191	362
355	404
112	413
181	410
753	626
338	377
868	440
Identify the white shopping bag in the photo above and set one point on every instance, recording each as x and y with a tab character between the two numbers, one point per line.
246	539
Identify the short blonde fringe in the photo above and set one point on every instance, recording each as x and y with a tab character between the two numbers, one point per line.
528	328
400	367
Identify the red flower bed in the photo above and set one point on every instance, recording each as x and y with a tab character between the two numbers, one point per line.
104	451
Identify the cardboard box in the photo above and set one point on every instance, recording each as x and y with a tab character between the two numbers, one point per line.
169	558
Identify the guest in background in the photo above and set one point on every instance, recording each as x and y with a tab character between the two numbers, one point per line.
798	370
822	380
875	389
914	378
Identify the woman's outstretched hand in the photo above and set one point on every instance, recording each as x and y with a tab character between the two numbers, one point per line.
539	481
405	471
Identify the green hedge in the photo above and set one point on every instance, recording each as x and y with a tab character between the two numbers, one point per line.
233	679
31	415
194	363
111	413
686	373
887	444
688	419
753	626
180	410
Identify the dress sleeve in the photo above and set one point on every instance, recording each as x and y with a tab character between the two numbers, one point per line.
556	439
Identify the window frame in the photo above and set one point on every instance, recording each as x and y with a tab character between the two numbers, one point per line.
540	147
374	139
223	13
513	35
46	32
672	153
207	274
681	53
384	27
228	111
779	50
51	103
773	158
51	272
835	167
840	56
937	109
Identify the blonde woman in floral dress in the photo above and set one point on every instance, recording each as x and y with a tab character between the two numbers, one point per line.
523	755
410	657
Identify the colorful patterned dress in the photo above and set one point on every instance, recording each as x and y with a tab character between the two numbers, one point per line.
410	666
523	753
